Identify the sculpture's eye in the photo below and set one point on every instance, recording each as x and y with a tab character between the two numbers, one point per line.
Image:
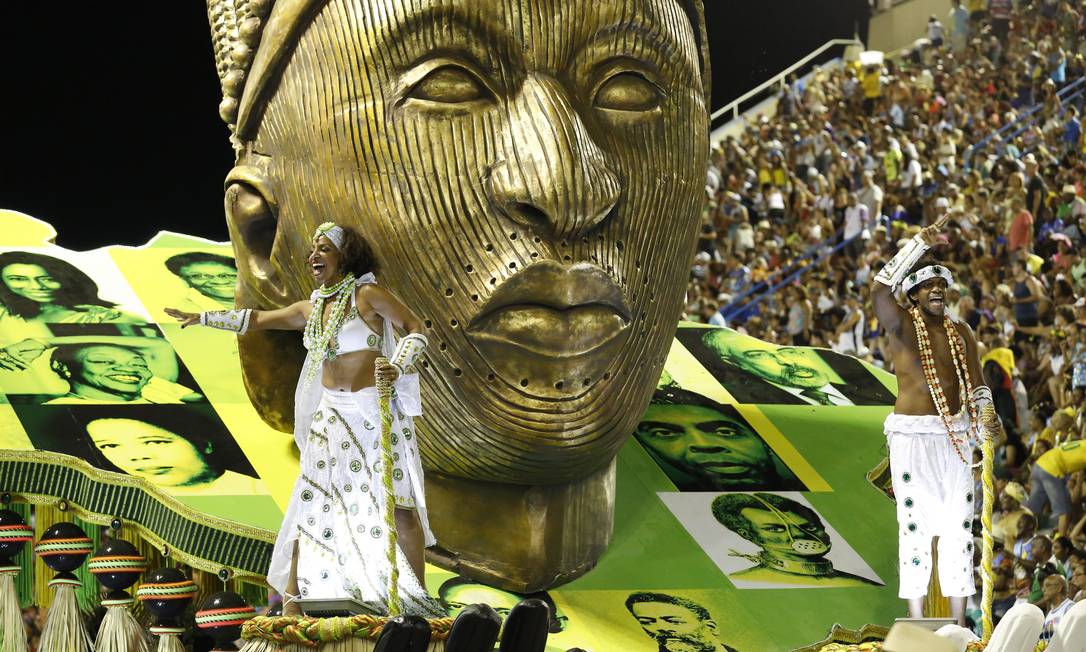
628	91
450	84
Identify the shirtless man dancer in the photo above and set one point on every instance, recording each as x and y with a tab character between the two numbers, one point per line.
941	401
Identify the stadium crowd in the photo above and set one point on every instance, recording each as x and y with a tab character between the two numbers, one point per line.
979	120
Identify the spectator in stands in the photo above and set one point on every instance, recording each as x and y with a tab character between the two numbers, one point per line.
1049	481
1020	232
959	26
1062	547
1037	568
1005	527
935	31
857	223
1055	603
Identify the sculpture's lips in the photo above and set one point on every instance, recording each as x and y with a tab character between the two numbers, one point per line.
554	310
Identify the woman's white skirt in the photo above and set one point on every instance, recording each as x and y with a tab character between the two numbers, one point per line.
337	509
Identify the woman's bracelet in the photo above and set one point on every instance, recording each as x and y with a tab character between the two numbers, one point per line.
235	321
408	351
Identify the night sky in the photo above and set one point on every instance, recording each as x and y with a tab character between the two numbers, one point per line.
111	129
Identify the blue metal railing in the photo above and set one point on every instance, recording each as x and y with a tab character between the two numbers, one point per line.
733	309
755	287
1026	118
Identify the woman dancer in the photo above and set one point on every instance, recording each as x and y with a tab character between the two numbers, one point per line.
333	542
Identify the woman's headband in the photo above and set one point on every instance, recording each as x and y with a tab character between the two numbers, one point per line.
334	233
926	274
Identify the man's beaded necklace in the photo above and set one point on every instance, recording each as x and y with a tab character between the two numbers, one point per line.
322	339
935	387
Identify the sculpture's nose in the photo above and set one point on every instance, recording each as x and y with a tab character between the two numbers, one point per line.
553	179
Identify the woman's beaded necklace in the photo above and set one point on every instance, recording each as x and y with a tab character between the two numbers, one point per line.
322	339
935	387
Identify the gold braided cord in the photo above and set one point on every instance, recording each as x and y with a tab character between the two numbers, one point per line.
987	574
384	398
310	632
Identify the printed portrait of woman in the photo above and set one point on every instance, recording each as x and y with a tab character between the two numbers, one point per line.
36	289
184	450
124	364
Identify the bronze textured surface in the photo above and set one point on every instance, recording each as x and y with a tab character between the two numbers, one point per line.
530	173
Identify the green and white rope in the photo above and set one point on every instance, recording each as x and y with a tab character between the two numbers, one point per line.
384	398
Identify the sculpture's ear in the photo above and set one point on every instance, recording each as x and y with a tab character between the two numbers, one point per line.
267	357
252	215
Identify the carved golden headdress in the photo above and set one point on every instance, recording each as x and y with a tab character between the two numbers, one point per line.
251	38
254	38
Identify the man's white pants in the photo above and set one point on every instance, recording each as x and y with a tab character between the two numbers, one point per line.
934	493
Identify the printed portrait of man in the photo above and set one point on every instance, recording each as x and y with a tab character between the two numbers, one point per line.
703	445
676	623
211	280
754	371
792	538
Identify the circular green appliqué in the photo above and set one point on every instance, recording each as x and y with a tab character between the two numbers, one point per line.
969	497
375	532
332	420
327	534
908	502
912	527
906	476
397	474
371	340
307	495
966	525
356	466
318	416
916	561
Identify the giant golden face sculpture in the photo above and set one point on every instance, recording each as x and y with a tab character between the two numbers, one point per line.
530	173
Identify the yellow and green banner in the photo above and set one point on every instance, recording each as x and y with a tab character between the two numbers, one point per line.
744	520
